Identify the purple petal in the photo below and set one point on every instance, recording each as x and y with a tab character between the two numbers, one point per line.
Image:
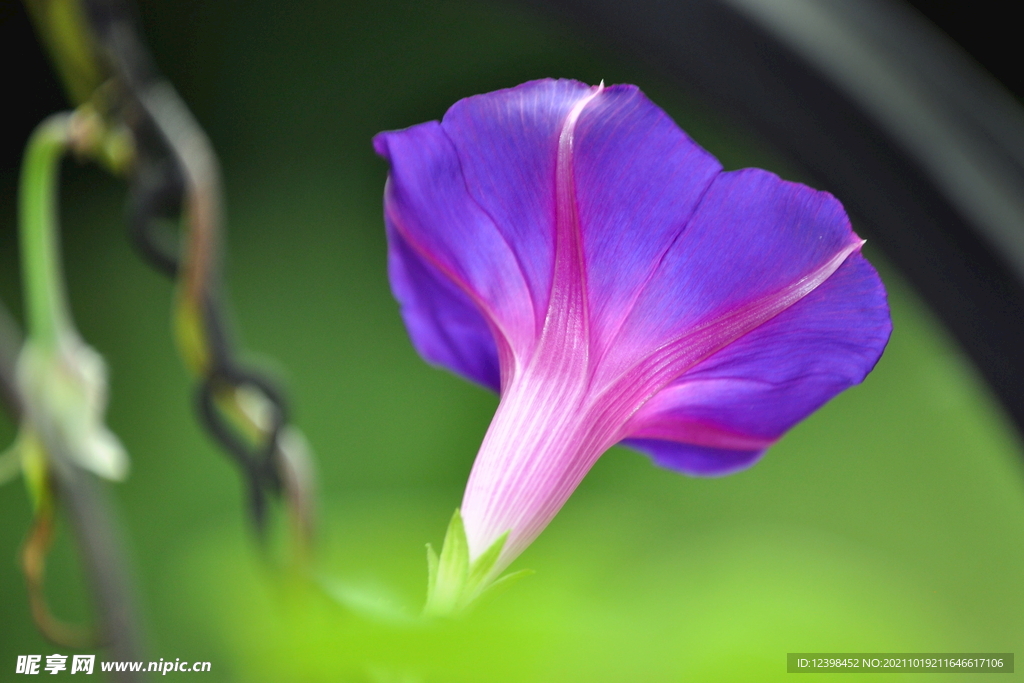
750	393
697	461
754	236
507	143
428	206
638	180
445	326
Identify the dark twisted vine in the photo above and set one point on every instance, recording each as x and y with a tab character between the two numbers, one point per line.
161	180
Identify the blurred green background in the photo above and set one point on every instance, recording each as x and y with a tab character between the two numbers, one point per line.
890	521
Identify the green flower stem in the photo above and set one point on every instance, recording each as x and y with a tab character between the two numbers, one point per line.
46	307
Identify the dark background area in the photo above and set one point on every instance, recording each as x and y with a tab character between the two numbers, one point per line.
986	30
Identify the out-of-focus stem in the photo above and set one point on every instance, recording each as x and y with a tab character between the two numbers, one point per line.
62	26
33	566
45	305
10	346
201	173
98	537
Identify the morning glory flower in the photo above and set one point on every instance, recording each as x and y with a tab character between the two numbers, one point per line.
573	249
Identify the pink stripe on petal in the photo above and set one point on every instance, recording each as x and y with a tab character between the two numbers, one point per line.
446	325
553	384
775	376
639	179
697	433
507	143
671	360
631	401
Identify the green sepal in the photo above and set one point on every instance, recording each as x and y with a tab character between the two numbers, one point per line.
480	569
503	584
432	562
449	571
454	584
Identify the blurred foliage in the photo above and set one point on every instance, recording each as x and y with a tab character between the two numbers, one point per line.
892	520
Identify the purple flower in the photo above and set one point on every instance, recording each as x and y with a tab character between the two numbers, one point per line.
570	247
